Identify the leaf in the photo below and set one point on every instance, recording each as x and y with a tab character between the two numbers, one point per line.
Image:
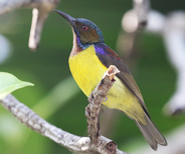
9	83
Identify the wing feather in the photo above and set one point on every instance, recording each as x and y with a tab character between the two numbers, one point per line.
108	57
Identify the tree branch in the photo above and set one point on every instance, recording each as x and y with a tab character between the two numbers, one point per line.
173	35
171	28
72	142
95	101
133	22
40	12
141	8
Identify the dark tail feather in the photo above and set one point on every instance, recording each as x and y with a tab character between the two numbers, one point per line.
151	133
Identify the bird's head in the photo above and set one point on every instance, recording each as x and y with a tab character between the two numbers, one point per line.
86	31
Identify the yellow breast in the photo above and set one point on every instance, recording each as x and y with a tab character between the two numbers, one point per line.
87	70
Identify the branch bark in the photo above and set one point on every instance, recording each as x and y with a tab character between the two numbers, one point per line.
95	101
40	12
93	144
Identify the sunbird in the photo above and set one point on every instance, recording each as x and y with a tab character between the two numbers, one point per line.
89	60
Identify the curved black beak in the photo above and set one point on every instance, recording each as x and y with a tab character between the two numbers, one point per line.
70	19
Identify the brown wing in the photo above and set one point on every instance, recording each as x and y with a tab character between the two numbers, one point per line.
108	57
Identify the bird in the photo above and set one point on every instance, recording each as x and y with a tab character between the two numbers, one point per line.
89	59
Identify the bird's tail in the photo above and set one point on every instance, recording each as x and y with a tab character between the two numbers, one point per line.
151	133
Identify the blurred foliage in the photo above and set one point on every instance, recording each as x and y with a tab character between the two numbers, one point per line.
56	97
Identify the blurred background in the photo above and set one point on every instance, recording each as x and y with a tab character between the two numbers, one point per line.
56	97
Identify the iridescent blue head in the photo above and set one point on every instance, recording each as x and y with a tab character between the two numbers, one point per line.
86	32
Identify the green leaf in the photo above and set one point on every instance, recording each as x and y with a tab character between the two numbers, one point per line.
9	83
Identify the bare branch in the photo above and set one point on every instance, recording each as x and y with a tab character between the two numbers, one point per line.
172	29
133	22
137	17
142	8
72	142
38	18
174	34
95	101
40	12
36	123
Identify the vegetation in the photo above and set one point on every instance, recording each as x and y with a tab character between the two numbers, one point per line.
56	97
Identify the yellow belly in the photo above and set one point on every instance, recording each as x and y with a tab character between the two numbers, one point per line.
87	70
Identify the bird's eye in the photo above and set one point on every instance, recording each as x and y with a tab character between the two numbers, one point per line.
85	28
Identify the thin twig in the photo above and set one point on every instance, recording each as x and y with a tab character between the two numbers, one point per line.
133	22
40	12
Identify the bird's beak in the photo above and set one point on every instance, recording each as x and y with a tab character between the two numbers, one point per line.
70	19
